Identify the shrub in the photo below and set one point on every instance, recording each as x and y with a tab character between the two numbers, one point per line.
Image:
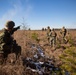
69	60
35	37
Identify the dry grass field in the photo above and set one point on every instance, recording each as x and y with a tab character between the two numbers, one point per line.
26	38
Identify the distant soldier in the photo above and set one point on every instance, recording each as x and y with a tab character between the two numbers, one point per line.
63	32
7	43
48	31
53	38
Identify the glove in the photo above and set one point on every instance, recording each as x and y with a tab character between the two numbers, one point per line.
18	27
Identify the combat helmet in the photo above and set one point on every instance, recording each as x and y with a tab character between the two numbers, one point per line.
48	27
9	24
63	27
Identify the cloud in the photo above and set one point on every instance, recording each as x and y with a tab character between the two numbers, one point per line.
27	0
72	25
28	11
9	14
17	11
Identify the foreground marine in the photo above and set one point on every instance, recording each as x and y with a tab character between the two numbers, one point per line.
7	42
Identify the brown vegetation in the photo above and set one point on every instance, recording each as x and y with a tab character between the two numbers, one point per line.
38	37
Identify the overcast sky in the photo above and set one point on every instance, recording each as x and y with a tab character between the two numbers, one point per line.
39	13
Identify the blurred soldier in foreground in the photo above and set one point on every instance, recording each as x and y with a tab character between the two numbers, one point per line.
63	34
48	31
53	35
7	43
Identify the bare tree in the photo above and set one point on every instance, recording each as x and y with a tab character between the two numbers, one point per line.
24	25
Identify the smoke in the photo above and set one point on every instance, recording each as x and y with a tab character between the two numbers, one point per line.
18	9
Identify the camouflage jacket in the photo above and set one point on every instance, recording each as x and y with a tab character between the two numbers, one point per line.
63	31
6	39
52	34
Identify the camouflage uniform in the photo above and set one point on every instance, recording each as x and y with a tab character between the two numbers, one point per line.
53	38
63	34
48	31
6	40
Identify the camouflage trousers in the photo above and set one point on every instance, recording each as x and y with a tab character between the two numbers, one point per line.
8	49
53	41
64	39
1	58
14	49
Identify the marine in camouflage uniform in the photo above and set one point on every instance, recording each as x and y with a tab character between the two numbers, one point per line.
48	31
7	43
63	34
53	38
